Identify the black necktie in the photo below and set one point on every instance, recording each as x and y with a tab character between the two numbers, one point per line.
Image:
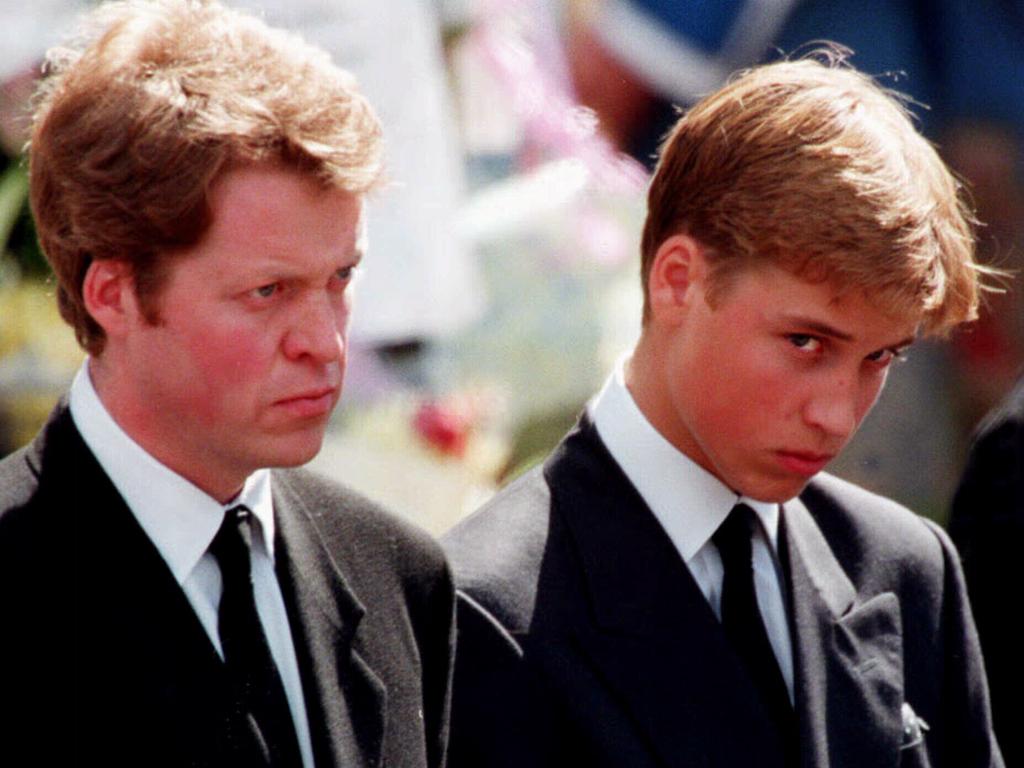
256	684
743	625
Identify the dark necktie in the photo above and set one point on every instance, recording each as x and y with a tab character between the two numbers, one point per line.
256	684
743	625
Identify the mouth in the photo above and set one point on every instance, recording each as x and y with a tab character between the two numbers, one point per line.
804	463
310	404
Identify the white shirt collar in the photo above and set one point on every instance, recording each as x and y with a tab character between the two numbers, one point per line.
689	502
179	518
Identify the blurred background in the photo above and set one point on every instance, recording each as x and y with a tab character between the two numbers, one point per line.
502	278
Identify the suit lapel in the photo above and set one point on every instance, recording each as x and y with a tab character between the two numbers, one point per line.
136	636
653	639
848	656
127	581
345	699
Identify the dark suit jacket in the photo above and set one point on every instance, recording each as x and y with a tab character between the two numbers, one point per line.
584	640
105	662
987	525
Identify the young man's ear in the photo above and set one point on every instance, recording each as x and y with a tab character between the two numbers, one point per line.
108	292
678	276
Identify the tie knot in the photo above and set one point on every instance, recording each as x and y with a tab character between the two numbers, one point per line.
233	542
733	536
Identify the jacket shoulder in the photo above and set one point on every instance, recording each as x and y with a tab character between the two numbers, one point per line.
360	532
496	552
871	533
45	474
1008	415
22	527
18	483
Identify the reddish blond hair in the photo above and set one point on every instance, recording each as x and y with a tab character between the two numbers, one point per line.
811	166
139	116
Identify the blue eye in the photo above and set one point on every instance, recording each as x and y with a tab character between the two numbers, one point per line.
881	356
342	277
265	291
884	357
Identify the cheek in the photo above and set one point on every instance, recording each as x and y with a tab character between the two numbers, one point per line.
760	383
736	381
735	403
233	358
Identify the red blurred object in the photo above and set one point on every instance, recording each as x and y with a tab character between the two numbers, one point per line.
444	429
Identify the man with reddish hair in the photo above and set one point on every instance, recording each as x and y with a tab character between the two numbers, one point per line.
197	180
681	584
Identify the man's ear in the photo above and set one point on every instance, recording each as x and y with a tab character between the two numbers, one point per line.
108	292
678	276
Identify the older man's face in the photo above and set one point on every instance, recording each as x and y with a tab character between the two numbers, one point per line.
246	361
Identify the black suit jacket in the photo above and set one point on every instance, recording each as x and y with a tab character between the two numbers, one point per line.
105	662
584	640
987	525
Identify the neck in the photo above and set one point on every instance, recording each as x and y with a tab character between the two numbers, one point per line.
647	380
643	378
127	407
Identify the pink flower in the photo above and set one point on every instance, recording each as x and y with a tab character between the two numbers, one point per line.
444	429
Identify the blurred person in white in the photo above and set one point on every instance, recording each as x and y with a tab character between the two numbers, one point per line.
424	282
26	31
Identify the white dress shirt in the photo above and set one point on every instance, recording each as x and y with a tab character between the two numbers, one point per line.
181	521
690	504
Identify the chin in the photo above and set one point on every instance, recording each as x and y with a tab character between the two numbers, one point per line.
772	491
296	452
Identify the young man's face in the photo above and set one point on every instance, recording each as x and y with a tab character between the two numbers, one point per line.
767	387
245	363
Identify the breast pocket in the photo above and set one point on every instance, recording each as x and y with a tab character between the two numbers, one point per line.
913	750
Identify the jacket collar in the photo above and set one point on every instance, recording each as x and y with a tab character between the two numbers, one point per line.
346	699
653	637
657	643
848	654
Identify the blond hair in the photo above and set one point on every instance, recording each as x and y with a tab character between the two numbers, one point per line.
811	166
139	115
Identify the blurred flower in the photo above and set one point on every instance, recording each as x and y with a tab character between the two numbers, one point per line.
443	428
518	41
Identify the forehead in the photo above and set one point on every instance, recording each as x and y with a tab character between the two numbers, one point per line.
266	225
266	213
774	295
267	196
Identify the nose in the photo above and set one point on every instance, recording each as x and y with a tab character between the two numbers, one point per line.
834	408
317	332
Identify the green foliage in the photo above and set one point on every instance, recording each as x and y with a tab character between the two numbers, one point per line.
13	192
17	231
38	353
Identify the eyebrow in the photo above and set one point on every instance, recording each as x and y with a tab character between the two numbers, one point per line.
903	343
271	262
824	329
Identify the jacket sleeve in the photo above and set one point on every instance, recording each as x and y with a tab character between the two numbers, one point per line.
967	740
987	525
436	630
499	715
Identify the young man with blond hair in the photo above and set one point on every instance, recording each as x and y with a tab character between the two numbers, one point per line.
170	597
681	584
